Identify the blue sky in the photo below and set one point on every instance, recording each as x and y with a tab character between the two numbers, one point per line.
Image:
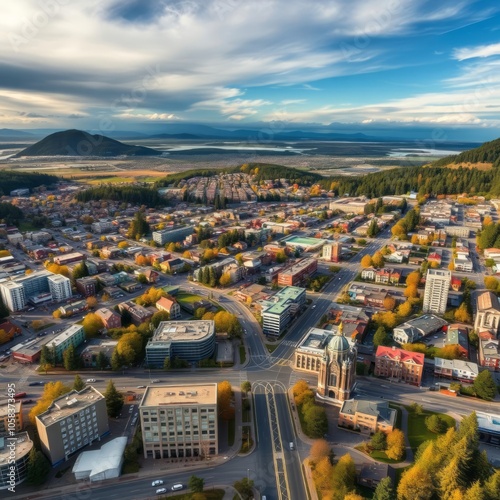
380	66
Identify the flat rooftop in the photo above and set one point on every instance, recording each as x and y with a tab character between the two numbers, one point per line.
299	266
68	333
175	395
316	339
177	331
4	409
68	404
23	446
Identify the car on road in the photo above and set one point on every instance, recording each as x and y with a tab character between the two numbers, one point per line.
36	383
141	387
89	380
314	305
155	381
177	487
158	482
159	491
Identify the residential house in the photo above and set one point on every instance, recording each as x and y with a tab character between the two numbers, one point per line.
169	305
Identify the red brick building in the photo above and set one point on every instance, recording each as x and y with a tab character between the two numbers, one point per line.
109	318
404	366
298	273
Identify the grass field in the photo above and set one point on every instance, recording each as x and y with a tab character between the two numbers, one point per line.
188	297
418	432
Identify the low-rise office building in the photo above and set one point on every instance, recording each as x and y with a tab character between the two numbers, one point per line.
71	422
172	235
417	328
367	417
179	421
456	369
298	273
278	311
187	340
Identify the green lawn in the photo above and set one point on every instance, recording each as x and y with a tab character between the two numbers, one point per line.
188	297
418	432
243	354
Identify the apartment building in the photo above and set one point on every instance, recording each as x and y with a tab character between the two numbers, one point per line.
278	311
188	340
437	285
400	365
332	251
16	423
138	314
72	422
13	295
298	273
109	318
74	335
60	287
86	286
179	421
172	235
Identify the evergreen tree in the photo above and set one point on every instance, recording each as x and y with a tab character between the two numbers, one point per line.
449	479
138	227
114	400
78	383
116	361
80	271
38	468
212	281
101	361
70	358
492	486
384	490
196	484
484	386
475	492
46	358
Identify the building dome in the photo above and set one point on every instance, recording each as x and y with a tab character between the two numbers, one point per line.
338	342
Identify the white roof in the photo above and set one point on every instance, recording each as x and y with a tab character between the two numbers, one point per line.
96	462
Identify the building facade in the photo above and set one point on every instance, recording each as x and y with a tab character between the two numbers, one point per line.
332	251
278	311
337	371
60	287
72	422
298	273
179	421
109	318
456	369
367	417
487	313
169	305
172	235
399	365
74	335
437	285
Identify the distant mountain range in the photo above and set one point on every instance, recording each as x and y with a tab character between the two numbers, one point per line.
80	143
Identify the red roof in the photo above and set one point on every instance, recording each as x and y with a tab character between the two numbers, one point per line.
401	354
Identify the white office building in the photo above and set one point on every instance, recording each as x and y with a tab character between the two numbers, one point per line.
437	285
60	287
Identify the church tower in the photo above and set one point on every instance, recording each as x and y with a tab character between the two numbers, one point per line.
338	368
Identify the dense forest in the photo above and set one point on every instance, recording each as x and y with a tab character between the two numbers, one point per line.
126	194
11	179
10	214
423	180
489	152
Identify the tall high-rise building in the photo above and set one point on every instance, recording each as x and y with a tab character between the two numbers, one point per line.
437	285
13	295
60	287
331	251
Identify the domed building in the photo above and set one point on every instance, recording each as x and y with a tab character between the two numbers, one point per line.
337	371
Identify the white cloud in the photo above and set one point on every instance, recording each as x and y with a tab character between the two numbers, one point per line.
479	51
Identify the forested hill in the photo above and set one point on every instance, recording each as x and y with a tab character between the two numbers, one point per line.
13	179
80	143
489	153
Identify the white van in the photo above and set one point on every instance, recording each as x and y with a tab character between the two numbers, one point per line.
177	487
292	447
